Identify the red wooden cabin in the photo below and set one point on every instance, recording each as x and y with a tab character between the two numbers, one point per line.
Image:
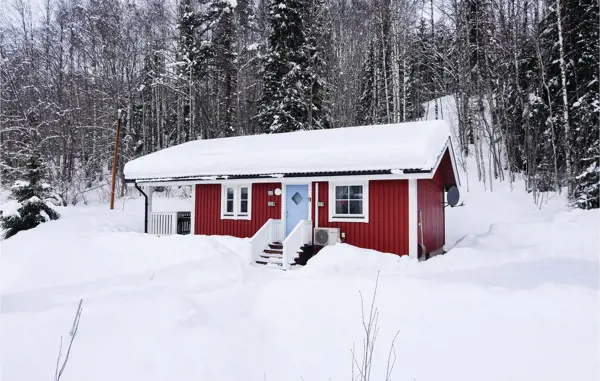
376	187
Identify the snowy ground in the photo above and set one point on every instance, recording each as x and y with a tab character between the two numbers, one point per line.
516	298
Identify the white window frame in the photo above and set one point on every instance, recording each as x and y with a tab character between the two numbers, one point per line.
237	202
364	217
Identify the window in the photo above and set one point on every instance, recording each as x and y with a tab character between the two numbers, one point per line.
348	202
243	200
230	193
236	201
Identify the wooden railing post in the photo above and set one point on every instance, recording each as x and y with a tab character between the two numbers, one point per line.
300	236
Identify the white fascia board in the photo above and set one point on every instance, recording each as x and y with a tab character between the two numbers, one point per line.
439	159
450	149
453	160
291	180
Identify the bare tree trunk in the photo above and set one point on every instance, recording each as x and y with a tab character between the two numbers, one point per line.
563	79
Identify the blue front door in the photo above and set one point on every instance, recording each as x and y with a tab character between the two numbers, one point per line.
296	206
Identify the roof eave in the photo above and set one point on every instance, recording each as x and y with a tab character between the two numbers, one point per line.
383	174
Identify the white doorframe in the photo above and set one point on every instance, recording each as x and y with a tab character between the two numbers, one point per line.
413	219
284	202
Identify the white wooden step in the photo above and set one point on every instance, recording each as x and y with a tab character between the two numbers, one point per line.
276	261
271	255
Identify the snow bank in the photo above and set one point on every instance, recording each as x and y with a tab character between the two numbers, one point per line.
414	145
564	251
348	259
82	248
499	239
10	208
191	308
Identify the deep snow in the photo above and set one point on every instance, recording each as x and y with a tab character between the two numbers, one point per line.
515	298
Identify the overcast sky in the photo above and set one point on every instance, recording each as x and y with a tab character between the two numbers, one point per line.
8	15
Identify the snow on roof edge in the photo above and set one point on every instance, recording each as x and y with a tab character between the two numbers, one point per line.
276	176
398	147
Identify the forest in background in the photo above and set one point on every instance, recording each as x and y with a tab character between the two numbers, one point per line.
523	74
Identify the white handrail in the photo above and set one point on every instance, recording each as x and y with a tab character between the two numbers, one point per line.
301	235
268	233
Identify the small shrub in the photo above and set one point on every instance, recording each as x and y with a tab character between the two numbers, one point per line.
28	207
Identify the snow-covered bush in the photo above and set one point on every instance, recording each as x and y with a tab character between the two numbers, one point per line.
28	207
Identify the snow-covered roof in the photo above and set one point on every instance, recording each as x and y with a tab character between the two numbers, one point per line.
414	146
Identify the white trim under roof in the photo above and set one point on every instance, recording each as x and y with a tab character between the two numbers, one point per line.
288	180
453	160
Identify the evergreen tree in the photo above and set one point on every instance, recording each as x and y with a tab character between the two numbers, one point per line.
368	91
223	62
247	66
283	105
318	46
422	70
30	194
585	108
375	102
580	154
189	64
190	48
296	85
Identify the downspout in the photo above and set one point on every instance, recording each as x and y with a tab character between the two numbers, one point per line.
145	207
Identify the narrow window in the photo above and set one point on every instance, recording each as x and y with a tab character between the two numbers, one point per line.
243	200
341	200
356	200
230	201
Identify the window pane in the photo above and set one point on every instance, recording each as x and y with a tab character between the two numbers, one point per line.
341	192
229	206
356	207
230	193
244	193
341	207
244	207
356	192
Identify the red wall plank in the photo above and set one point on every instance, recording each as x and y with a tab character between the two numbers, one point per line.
387	229
430	203
208	211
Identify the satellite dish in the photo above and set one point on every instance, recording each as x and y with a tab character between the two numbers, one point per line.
278	192
453	195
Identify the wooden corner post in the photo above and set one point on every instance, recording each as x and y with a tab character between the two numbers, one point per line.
114	166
